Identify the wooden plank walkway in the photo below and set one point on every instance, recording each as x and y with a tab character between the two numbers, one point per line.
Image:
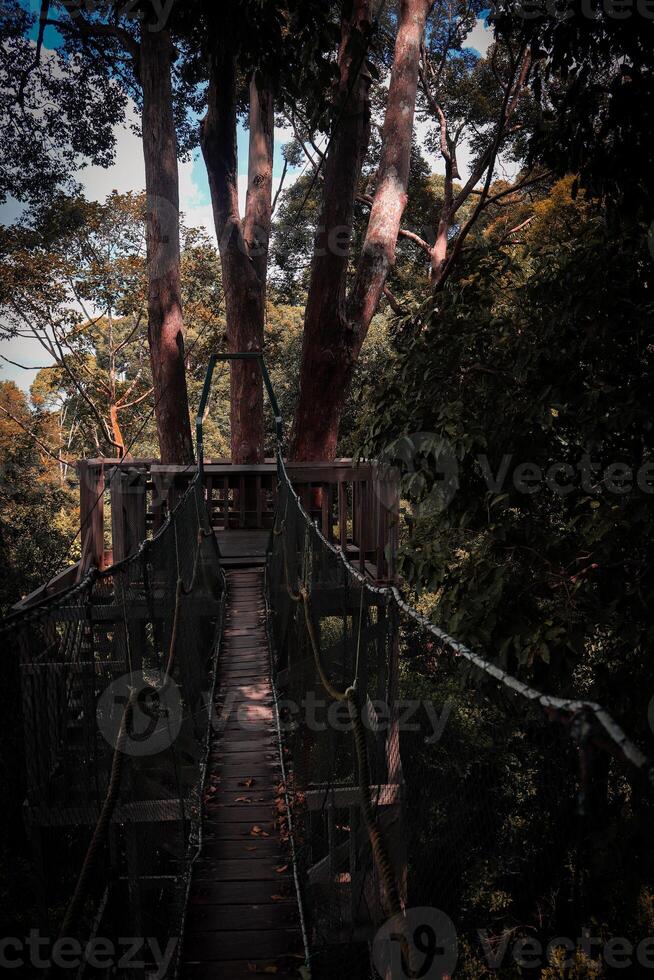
242	547
242	918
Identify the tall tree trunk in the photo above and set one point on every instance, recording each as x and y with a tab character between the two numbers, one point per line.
335	327
243	245
165	324
325	343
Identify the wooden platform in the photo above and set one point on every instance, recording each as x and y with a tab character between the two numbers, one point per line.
242	918
242	548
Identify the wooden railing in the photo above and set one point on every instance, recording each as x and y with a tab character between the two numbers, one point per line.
355	506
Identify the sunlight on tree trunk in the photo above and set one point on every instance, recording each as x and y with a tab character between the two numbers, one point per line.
336	325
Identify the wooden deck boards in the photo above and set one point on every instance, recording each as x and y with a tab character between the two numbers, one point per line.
243	546
242	917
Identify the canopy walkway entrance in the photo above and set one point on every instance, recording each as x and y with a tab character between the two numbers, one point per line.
272	764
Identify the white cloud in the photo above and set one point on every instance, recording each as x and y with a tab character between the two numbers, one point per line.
480	38
128	170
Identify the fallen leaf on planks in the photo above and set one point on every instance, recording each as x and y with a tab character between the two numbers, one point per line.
281	869
258	832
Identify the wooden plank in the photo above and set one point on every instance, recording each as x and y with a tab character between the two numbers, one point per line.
267	796
248	770
239	870
242	542
234	830
342	513
240	970
242	944
257	744
250	849
266	916
346	796
128	512
91	503
242	759
326	511
62	581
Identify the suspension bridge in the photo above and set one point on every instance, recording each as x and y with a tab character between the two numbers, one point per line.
241	743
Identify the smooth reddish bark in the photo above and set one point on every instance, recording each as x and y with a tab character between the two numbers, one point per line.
335	325
243	245
165	322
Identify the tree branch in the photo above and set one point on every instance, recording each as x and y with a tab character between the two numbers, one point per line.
122	406
43	20
94	29
27	367
508	106
393	302
279	186
411	236
33	435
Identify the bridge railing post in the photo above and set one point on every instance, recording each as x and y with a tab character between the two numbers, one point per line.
91	506
128	512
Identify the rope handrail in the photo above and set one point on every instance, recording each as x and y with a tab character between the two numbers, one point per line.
99	834
572	706
496	754
141	635
58	599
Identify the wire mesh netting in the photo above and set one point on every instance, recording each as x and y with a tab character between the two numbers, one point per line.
499	830
115	682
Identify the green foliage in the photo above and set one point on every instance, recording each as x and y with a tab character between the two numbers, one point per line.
74	279
37	505
593	80
543	356
54	116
